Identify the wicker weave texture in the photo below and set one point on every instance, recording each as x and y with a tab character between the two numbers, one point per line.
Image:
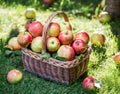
49	68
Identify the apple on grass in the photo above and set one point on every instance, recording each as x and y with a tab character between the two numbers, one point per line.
98	39
104	17
79	46
53	44
24	38
14	76
83	35
117	58
91	83
48	1
13	44
54	29
66	37
66	52
36	44
30	13
35	28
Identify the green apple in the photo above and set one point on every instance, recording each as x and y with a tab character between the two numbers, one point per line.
30	13
104	17
53	44
36	44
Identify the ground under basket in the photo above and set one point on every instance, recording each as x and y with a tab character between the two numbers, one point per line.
53	69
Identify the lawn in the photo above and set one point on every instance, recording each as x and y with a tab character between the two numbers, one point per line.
101	64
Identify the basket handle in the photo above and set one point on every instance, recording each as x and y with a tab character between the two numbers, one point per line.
45	28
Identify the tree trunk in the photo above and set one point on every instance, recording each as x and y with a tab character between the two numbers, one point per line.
113	8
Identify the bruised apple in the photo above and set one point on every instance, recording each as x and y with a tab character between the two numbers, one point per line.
66	37
53	44
79	46
66	52
36	44
30	13
98	39
13	44
117	58
24	38
35	28
83	35
14	76
54	29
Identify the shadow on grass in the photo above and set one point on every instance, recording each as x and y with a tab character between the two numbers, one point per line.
115	29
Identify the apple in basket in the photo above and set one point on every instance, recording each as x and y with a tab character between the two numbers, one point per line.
30	13
83	35
13	44
104	17
35	28
66	52
36	44
48	1
66	37
79	46
54	29
14	76
98	39
28	22
91	83
24	38
53	44
117	58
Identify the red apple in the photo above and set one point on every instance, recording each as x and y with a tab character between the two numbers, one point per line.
54	29
30	13
24	38
98	39
117	58
28	22
88	83
66	52
35	28
79	46
13	44
14	76
53	44
104	17
83	35
36	44
66	37
48	1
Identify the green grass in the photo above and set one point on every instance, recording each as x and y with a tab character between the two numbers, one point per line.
101	64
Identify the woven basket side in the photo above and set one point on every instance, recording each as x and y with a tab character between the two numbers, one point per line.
52	72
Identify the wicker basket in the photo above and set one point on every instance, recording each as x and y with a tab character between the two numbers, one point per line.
53	69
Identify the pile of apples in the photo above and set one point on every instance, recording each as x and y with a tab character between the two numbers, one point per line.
64	43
